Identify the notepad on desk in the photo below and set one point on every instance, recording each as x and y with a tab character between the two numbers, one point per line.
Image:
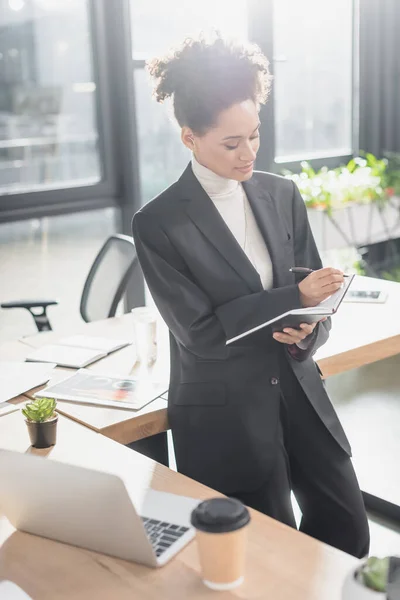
65	356
102	344
86	387
77	351
294	318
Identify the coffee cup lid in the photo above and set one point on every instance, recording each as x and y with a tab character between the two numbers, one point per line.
220	515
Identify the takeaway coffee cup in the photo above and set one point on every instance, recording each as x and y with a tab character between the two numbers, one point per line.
221	533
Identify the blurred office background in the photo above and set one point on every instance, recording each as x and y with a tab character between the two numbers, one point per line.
83	145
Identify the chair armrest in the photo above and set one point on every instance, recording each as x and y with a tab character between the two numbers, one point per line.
41	319
28	304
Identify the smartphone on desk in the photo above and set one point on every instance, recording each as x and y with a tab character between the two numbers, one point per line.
366	296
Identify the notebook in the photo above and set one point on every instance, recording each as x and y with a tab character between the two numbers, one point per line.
77	351
293	318
103	344
88	387
65	356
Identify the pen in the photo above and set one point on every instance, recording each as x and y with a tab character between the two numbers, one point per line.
305	271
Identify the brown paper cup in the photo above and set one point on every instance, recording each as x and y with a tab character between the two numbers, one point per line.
221	533
222	557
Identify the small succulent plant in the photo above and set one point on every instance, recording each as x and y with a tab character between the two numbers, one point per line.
40	410
374	574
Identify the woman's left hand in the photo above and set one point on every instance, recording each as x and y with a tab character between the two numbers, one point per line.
293	336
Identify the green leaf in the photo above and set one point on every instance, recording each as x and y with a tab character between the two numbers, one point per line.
375	573
351	165
307	168
40	410
364	180
25	413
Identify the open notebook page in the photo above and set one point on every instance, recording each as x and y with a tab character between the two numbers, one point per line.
329	304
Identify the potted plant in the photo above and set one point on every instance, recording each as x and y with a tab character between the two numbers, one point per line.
41	420
375	579
354	204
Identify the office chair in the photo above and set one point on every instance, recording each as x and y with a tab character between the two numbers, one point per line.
104	286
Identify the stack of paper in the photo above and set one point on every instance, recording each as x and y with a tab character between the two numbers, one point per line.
16	378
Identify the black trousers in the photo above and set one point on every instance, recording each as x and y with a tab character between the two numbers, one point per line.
311	463
155	447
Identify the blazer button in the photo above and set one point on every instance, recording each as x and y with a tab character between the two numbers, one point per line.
274	381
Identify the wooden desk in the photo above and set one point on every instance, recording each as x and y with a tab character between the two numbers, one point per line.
361	334
282	563
14	351
121	425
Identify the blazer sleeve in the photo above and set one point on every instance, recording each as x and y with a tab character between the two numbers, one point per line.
187	310
306	254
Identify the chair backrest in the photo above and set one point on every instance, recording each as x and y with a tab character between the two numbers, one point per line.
108	278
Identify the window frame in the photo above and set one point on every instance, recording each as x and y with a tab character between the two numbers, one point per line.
261	32
114	68
60	200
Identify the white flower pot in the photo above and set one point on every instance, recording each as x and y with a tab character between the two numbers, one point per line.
354	590
327	236
357	224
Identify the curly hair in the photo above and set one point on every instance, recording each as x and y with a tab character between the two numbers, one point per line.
205	77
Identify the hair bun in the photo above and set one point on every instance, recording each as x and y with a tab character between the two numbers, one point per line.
206	76
165	71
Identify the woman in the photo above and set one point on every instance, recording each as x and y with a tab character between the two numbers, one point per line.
251	419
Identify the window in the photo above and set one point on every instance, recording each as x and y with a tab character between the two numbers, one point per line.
157	24
162	156
48	132
313	78
35	257
311	45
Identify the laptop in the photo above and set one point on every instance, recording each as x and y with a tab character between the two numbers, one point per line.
92	509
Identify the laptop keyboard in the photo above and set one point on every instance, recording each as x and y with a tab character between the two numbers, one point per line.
162	534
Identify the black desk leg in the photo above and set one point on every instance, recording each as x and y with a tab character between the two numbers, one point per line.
155	447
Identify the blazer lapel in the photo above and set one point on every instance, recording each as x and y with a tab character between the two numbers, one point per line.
272	229
206	217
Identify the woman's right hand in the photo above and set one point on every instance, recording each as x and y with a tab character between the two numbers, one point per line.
319	285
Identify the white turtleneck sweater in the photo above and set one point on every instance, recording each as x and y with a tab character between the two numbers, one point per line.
232	204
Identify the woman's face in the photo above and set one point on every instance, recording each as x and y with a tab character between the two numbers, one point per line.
230	148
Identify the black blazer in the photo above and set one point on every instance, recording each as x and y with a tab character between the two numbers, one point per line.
224	400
